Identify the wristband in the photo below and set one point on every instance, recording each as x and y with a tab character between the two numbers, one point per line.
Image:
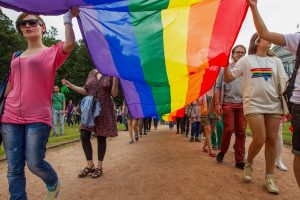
68	18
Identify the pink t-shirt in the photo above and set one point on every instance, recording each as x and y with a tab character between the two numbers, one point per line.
32	80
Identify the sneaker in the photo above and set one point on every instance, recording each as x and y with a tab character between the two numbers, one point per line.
281	166
136	137
248	172
53	193
197	140
192	140
270	185
240	165
131	142
220	157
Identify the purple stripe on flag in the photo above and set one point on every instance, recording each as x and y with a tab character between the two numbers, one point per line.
91	30
98	47
133	99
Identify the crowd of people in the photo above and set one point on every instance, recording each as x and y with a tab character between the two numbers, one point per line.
247	92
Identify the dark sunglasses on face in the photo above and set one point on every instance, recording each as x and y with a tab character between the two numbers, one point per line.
30	22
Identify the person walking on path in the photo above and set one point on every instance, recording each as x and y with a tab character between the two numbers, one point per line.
279	147
69	111
102	87
292	43
229	103
186	119
262	73
133	127
195	121
27	118
58	110
208	124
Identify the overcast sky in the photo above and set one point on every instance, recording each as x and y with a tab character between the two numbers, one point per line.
280	16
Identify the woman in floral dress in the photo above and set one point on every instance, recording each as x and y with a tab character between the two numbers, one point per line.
105	124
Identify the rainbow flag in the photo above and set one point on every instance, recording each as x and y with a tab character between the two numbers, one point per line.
166	53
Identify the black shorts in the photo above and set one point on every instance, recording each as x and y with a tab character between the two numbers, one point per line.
296	125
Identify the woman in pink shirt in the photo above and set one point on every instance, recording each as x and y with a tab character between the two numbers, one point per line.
26	120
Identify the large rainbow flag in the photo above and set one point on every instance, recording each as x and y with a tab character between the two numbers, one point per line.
165	52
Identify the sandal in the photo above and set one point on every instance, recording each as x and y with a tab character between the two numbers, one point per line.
136	137
97	173
86	171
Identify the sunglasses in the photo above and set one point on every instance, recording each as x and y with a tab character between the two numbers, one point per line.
30	22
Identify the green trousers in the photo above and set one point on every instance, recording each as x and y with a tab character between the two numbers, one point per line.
216	138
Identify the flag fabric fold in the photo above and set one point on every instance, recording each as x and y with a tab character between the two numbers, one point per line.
166	53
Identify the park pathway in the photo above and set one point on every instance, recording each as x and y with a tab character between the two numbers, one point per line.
162	165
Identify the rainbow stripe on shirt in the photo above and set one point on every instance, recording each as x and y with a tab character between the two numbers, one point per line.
265	73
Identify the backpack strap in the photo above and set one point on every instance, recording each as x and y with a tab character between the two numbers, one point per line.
17	54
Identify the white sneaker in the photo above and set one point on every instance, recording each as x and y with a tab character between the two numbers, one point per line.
248	172
53	194
270	185
281	166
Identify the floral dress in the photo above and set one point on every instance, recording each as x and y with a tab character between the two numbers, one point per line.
105	124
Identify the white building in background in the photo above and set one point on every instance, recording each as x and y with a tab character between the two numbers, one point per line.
287	59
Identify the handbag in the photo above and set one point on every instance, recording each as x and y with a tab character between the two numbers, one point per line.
291	82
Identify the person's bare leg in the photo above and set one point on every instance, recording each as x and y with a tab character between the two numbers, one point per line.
272	126
279	149
257	126
207	130
130	130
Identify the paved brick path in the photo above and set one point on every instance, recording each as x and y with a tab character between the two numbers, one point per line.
162	165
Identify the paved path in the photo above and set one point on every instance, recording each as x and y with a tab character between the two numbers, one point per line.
162	165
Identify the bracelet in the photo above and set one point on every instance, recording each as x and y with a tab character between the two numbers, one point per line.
68	18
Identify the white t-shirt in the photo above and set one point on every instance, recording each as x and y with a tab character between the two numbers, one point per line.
260	83
292	41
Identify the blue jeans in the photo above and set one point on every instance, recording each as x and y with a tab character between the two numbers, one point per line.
26	142
195	129
57	115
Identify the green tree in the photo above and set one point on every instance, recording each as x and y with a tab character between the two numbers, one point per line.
10	41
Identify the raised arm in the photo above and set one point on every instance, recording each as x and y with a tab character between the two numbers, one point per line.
114	88
80	90
69	43
262	30
228	75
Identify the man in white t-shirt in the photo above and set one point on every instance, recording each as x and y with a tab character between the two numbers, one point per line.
291	43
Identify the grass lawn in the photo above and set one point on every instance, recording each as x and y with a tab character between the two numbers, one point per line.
70	133
286	133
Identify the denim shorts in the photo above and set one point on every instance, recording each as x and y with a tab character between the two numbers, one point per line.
295	111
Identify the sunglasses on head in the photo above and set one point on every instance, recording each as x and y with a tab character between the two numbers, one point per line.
30	22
